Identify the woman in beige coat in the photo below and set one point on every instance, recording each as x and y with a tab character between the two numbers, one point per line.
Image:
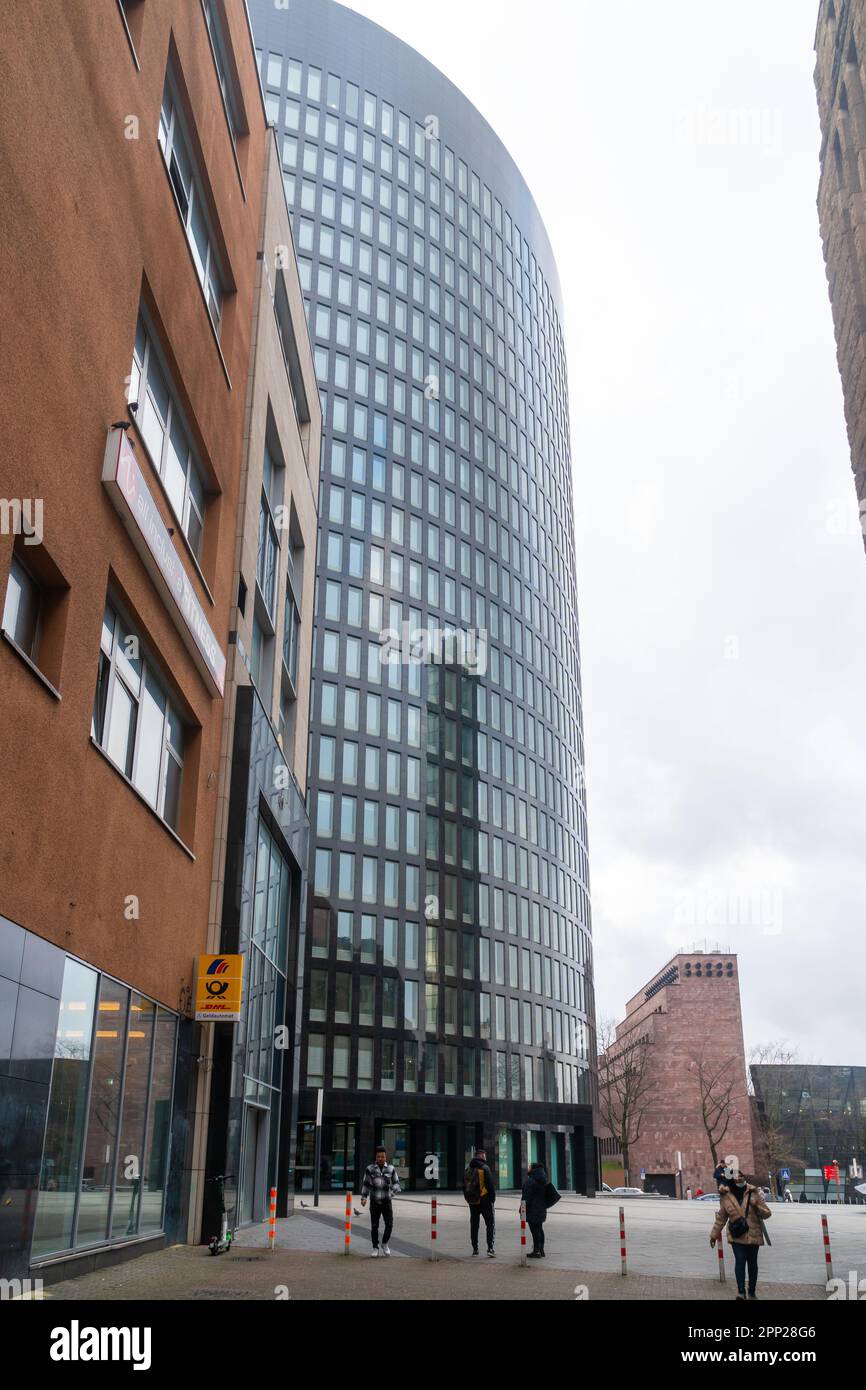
741	1201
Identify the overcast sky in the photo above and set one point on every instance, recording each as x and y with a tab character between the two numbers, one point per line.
672	148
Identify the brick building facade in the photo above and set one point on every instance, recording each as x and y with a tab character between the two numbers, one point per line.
686	1027
132	216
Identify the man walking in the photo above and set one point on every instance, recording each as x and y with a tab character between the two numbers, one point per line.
380	1185
480	1193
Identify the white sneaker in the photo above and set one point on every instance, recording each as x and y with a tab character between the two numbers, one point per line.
374	1252
386	1249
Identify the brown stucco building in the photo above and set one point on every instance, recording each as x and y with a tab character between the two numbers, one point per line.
683	1032
840	45
134	160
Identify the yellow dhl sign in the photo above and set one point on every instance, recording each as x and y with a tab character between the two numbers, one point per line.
219	986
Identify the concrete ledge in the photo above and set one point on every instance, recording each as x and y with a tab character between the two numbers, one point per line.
76	1265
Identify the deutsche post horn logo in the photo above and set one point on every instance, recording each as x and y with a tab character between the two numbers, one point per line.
216	988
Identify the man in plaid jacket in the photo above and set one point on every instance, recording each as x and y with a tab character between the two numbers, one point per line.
380	1185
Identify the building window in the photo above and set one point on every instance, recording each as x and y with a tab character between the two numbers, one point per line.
160	423
190	202
135	722
132	12
292	360
316	1059
22	609
291	632
267	562
218	44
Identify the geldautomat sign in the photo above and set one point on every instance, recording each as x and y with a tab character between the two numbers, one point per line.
132	497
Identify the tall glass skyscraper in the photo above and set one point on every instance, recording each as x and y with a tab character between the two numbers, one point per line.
448	958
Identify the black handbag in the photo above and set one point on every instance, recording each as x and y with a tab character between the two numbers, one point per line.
551	1196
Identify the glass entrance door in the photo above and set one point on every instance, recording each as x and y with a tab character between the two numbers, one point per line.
305	1156
436	1146
536	1146
396	1141
255	1164
557	1159
505	1158
338	1165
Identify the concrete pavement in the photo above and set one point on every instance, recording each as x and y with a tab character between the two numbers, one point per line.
668	1257
662	1238
251	1274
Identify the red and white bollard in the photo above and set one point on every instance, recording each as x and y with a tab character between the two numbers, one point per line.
721	1248
348	1226
272	1223
828	1258
523	1235
622	1239
433	1228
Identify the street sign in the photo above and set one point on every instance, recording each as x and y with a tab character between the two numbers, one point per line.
785	1174
642	1174
218	989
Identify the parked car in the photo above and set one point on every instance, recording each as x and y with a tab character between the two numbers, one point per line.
633	1192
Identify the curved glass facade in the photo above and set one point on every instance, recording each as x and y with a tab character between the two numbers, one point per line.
448	959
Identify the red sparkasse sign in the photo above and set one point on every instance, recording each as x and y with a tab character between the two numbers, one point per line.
130	494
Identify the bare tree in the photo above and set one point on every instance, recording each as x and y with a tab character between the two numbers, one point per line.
624	1085
717	1087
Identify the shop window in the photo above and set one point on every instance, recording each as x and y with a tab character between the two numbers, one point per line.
110	1103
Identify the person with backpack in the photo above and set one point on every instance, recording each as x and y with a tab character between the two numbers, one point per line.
480	1194
534	1202
380	1185
743	1210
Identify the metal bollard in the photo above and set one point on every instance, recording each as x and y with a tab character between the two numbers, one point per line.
622	1239
828	1259
348	1226
721	1247
433	1228
272	1223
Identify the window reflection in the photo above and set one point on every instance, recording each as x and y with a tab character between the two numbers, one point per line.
109	1116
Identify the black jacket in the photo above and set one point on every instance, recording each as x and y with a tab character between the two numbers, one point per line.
488	1178
533	1194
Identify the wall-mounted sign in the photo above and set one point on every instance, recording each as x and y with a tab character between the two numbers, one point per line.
219	987
125	484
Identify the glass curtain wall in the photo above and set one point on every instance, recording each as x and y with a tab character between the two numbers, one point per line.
105	1158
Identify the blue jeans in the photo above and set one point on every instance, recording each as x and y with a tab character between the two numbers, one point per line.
745	1258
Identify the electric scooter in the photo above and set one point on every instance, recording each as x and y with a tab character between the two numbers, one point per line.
223	1241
